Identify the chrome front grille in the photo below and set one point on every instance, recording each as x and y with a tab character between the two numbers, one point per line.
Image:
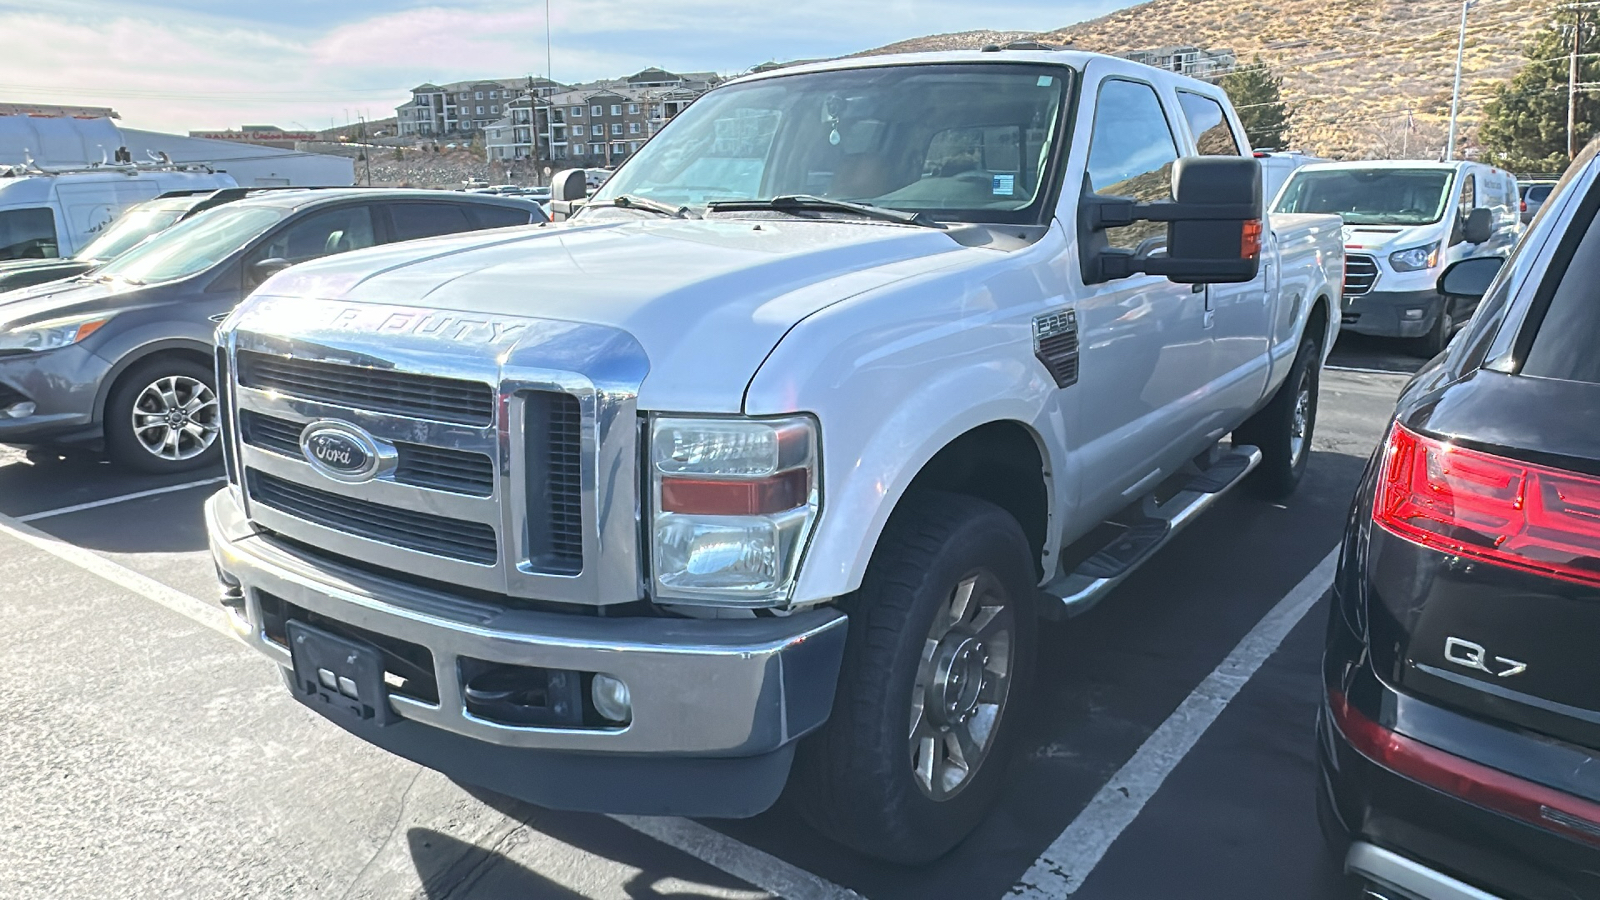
1359	274
380	390
439	468
472	542
508	447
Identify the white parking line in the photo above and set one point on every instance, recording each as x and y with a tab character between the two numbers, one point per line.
761	869
136	495
1064	866
1367	371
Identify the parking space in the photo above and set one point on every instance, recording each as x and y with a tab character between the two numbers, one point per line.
174	757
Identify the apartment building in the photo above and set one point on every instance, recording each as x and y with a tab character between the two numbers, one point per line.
599	123
465	107
1196	62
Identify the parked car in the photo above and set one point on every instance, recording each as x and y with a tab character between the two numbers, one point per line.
765	465
45	214
1534	194
1459	738
133	226
1405	221
125	356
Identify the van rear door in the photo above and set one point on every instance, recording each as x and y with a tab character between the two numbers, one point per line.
88	207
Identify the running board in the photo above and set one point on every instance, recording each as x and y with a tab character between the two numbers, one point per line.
1078	591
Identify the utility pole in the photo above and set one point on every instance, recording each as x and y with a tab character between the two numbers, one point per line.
366	150
1572	86
1455	95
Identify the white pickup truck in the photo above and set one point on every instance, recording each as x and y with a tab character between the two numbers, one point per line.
762	467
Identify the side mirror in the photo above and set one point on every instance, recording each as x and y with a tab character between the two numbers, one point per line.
567	192
1214	225
1470	277
1479	226
262	269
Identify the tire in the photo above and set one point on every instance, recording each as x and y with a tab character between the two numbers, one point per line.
1284	427
170	395
1438	337
855	779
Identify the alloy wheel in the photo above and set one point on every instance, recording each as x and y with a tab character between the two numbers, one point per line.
1302	419
962	683
176	417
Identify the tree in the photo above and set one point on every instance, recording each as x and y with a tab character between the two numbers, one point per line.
1257	95
1525	124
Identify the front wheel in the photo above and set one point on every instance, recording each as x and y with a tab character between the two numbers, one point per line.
1438	337
937	662
1282	429
163	417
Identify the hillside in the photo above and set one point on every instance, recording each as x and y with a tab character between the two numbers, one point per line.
1352	68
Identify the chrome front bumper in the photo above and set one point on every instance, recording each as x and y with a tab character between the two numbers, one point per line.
700	687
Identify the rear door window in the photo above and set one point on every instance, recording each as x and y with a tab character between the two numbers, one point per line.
419	220
27	233
1213	136
1566	342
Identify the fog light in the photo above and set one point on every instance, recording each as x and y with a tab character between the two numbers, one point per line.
1413	313
611	699
20	410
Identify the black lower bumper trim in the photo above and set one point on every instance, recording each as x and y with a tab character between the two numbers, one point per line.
712	787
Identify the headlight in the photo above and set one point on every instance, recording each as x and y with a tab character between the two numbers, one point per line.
52	334
1415	259
733	502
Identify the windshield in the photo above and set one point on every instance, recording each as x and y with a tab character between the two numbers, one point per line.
1369	196
129	229
194	245
957	142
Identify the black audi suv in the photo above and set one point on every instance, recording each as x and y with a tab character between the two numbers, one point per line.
1461	723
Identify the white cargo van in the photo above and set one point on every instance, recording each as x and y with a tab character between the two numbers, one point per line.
1404	222
54	213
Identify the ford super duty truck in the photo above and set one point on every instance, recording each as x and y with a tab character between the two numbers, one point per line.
762	466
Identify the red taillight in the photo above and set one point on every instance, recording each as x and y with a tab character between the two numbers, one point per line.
1250	239
1475	783
734	497
1489	508
1524	206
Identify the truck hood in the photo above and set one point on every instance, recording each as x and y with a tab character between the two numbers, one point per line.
706	300
1379	239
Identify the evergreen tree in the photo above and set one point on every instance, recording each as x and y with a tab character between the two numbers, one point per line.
1257	95
1525	125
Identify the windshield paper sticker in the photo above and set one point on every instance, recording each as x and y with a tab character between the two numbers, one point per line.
1005	185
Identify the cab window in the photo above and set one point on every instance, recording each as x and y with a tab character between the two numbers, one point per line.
319	234
28	233
1213	136
1131	152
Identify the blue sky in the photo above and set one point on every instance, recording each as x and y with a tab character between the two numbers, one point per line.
206	64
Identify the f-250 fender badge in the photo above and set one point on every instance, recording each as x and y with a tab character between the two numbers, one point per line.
1474	656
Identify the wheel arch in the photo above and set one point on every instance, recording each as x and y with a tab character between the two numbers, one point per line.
175	347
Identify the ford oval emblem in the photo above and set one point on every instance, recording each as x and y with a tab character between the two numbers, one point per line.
342	451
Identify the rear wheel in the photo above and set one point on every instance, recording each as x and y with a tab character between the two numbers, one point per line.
163	416
1283	428
939	654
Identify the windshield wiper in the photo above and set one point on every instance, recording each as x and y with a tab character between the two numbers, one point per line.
787	202
629	201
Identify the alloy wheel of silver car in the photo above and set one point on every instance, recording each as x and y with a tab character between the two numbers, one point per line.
1302	418
176	417
962	684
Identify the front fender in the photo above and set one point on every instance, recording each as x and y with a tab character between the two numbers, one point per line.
889	400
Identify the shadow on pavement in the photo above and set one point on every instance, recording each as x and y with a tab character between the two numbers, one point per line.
1361	351
450	868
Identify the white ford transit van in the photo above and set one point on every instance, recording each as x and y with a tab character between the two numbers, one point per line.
54	213
1404	222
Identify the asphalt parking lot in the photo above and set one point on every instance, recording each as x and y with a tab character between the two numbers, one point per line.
147	754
